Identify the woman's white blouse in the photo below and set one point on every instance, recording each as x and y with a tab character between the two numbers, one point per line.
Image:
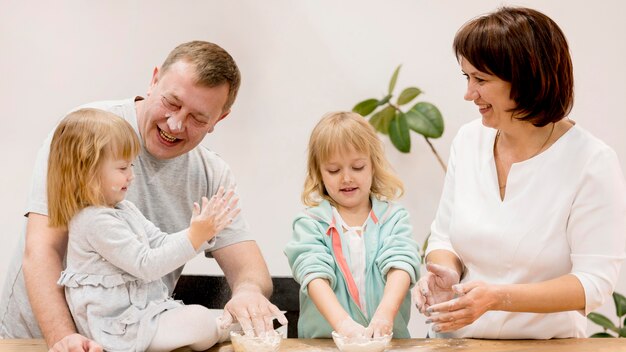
564	212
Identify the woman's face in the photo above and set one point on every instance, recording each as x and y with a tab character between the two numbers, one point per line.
490	93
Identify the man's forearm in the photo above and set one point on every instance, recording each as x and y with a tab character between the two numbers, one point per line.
47	300
244	267
251	284
42	264
256	283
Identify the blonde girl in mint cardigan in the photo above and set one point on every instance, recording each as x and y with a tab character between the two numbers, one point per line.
352	249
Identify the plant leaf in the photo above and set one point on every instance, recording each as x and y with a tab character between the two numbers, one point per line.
394	78
399	133
601	334
382	119
365	107
408	94
385	100
425	119
622	332
602	321
620	304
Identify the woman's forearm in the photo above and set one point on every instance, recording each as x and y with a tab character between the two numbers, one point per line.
557	295
447	259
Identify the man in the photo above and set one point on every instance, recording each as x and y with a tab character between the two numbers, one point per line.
191	92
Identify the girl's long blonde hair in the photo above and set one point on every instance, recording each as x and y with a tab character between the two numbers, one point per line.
338	131
81	142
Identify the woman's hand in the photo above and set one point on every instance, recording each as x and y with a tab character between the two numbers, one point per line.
434	287
474	299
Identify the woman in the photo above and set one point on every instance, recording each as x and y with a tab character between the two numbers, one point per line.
531	228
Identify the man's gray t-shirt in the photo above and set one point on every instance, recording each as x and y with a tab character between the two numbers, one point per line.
163	190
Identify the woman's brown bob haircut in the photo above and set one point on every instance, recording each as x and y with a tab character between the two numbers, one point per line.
527	49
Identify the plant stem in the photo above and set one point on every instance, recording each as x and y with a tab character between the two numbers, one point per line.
432	148
443	165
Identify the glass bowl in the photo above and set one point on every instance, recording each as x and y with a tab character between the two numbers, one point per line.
250	343
361	344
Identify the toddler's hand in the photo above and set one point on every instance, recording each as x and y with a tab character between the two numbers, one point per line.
350	328
213	216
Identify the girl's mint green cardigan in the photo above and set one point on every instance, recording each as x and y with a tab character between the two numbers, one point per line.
318	250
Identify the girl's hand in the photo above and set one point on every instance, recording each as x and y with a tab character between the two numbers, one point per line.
434	287
213	216
396	288
350	328
475	298
380	326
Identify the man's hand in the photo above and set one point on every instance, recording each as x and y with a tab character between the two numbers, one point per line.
75	343
252	310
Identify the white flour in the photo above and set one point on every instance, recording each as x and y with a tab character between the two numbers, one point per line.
361	344
369	346
242	343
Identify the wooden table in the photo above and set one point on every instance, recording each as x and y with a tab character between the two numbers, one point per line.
417	345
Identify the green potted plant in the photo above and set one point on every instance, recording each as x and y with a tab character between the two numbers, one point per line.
388	117
610	329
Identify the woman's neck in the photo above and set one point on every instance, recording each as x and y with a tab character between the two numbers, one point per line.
522	140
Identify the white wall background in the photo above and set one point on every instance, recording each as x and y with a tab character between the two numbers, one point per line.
299	59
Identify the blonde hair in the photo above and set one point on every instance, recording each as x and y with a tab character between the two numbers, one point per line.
338	131
81	142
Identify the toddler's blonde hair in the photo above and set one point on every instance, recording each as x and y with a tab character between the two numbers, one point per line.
81	142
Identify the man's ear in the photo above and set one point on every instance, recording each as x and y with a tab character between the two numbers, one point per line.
220	119
155	75
154	80
224	115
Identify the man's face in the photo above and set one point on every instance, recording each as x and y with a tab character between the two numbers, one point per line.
177	113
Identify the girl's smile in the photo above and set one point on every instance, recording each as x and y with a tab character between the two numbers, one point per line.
347	177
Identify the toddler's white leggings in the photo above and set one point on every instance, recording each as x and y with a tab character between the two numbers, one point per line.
193	325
